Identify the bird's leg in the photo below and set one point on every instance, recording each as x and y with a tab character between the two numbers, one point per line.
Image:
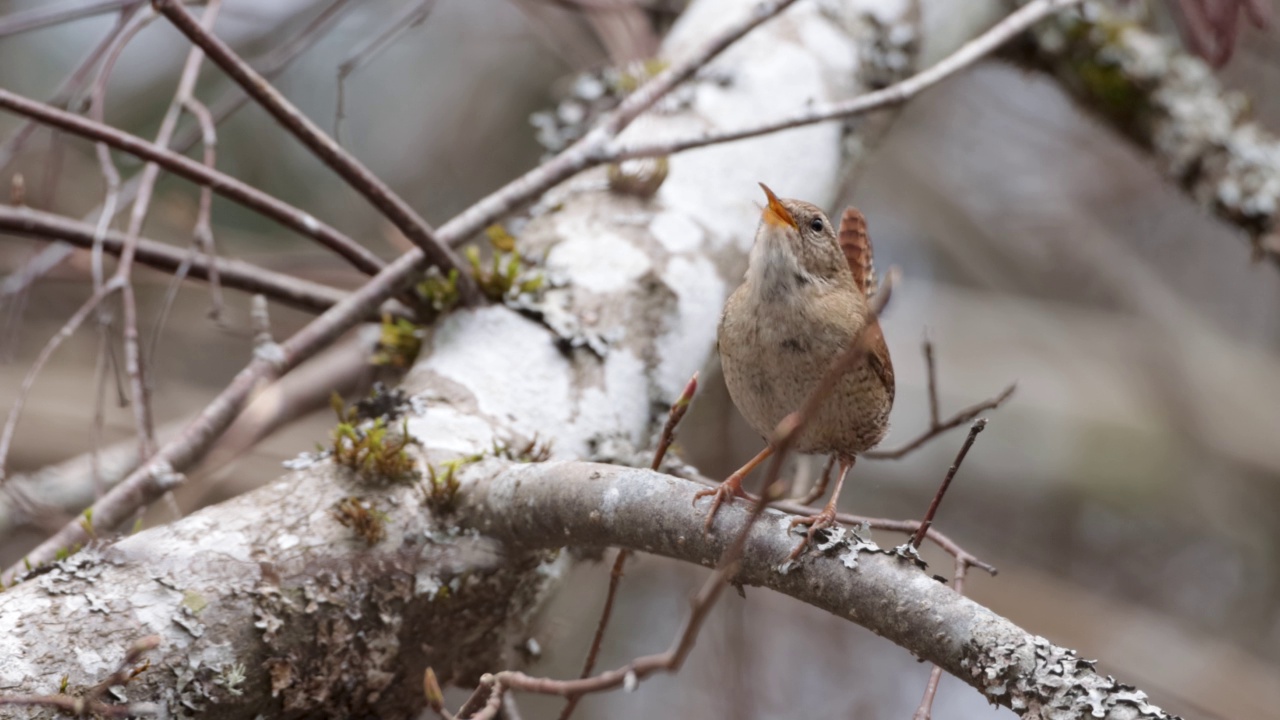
820	487
827	517
731	487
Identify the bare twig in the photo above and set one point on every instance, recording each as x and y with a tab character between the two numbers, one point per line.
895	94
674	416
936	425
203	232
410	16
223	184
147	483
150	481
978	427
69	86
377	192
295	292
1211	27
135	365
671	660
931	371
226	105
67	330
58	14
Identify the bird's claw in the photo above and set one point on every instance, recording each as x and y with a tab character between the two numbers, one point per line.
816	523
725	492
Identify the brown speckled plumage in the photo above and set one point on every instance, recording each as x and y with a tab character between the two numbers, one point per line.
804	299
787	322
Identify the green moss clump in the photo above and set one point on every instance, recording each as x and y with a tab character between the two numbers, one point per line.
399	343
362	516
371	450
508	274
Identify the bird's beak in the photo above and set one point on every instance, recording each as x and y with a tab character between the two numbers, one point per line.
775	213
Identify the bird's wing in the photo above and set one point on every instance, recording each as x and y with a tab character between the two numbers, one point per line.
856	244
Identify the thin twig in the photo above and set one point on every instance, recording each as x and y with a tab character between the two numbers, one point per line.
135	363
412	15
972	51
302	222
937	426
671	660
978	427
231	100
202	234
674	416
931	371
377	192
56	15
295	292
67	330
91	703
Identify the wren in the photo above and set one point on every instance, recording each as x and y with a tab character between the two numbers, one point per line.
804	298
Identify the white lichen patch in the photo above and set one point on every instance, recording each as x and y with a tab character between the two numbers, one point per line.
609	505
594	257
677	232
153	606
524	389
443	427
701	294
622	403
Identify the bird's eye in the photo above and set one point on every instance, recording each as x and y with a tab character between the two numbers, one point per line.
816	225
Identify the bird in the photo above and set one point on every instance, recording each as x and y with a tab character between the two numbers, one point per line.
804	298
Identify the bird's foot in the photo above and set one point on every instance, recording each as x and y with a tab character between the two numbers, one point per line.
816	523
725	492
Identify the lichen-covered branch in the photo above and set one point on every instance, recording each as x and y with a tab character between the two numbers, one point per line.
547	505
1169	102
268	604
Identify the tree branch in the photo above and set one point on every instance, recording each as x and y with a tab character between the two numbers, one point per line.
378	193
248	583
1171	104
302	222
292	291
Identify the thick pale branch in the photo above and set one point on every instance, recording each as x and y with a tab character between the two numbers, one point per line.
553	504
968	54
1169	102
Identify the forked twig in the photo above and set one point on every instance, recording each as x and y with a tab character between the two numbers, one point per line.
925	524
937	426
91	702
359	177
674	416
969	53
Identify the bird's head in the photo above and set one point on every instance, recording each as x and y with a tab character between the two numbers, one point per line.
796	243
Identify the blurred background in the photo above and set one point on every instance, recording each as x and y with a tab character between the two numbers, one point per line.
1129	492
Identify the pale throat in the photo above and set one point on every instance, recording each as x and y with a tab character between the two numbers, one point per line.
774	273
